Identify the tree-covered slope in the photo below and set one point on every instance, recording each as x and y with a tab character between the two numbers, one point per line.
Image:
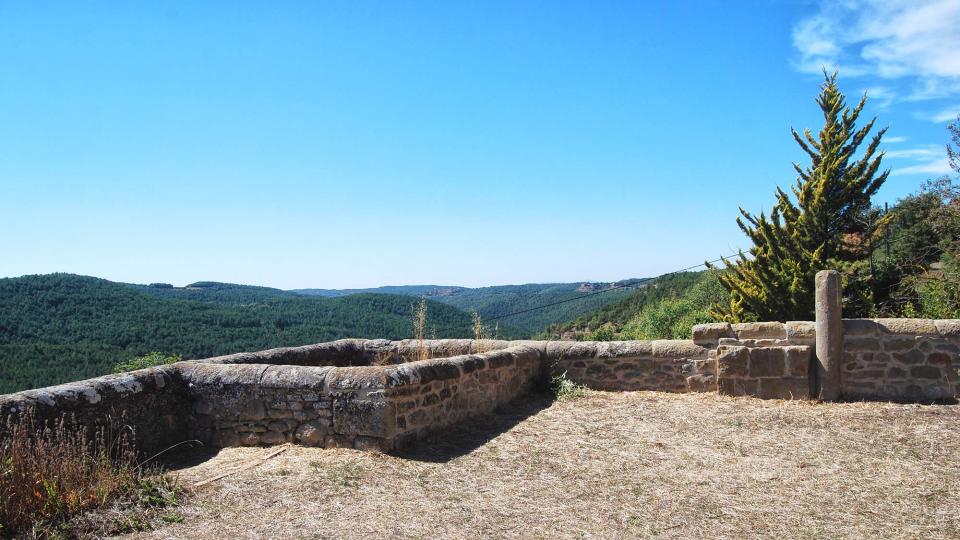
619	313
61	327
497	301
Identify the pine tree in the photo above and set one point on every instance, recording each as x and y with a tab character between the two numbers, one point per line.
815	228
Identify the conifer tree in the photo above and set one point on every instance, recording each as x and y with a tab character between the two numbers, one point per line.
814	229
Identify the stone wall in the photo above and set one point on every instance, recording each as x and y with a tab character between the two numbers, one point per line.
426	396
375	394
380	407
769	360
901	359
665	365
148	404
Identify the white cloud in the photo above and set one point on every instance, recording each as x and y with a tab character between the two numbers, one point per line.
913	153
928	159
890	39
894	140
935	168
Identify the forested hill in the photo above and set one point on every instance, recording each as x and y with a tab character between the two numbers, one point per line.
619	313
496	301
62	327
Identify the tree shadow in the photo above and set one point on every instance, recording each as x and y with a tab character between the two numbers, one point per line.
469	434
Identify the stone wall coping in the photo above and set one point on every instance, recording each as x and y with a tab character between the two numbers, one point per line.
91	391
913	327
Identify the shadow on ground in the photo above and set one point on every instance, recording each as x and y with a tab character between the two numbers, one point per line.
440	447
473	433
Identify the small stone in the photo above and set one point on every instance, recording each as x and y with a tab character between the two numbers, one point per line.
311	434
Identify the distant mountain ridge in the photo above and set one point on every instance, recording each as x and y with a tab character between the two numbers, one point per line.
501	300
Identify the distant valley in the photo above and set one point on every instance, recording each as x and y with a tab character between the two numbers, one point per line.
61	327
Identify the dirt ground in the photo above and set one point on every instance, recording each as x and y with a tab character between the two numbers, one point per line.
610	465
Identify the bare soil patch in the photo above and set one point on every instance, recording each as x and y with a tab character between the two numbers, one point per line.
610	465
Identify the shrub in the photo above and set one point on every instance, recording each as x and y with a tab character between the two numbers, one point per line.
564	389
145	361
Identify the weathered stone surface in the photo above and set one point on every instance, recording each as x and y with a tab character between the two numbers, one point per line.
677	348
948	327
800	330
733	362
311	434
709	334
760	330
798	361
767	362
913	327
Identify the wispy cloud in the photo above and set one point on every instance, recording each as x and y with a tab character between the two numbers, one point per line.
942	116
927	159
894	140
890	39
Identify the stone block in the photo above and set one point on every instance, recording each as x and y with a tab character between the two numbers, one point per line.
709	334
362	417
800	330
760	330
732	362
767	362
939	359
677	348
311	434
912	327
798	361
948	327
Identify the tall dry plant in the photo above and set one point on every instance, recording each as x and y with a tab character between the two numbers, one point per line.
419	328
48	474
481	335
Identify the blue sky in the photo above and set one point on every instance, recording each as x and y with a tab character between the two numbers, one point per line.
354	144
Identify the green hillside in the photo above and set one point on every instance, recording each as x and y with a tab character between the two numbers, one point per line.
618	314
62	327
491	302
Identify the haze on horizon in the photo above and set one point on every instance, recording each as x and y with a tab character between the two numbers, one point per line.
347	145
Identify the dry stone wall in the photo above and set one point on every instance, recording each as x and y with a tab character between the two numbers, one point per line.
665	365
376	394
148	404
901	359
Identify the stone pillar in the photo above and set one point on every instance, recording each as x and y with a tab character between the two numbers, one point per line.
829	326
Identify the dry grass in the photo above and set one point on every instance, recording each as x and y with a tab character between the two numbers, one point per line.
419	328
50	476
611	465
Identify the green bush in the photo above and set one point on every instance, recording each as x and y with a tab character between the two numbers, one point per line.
145	361
673	318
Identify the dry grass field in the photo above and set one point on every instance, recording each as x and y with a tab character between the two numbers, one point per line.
609	465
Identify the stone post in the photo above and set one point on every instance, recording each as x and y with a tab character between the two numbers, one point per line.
829	326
